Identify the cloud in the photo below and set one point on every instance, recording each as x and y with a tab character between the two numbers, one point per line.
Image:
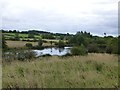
95	16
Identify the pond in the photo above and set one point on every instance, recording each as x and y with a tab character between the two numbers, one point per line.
53	51
27	54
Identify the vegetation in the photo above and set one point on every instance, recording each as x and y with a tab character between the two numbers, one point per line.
40	42
21	55
92	71
19	44
61	43
79	50
4	46
30	35
93	44
92	63
29	45
17	37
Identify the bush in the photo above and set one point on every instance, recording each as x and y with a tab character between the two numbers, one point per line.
30	35
23	55
109	50
40	42
17	38
29	45
79	50
18	55
61	44
93	48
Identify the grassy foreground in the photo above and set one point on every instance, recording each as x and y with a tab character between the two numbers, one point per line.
92	71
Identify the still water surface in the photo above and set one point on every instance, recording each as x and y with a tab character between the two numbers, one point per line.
53	51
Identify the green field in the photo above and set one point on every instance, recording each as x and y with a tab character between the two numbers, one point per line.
92	71
22	36
24	39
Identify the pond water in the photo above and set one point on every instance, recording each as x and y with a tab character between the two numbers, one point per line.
53	51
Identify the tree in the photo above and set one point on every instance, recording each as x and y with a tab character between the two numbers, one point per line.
48	36
113	46
40	42
51	42
61	37
14	31
92	48
79	50
61	44
30	35
80	40
17	36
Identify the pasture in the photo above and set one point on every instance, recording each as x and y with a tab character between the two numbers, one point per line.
22	36
21	44
18	44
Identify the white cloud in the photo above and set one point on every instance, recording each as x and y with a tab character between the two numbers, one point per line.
61	15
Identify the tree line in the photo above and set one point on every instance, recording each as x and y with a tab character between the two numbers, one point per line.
88	42
96	44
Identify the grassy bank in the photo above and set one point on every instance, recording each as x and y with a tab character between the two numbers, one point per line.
92	71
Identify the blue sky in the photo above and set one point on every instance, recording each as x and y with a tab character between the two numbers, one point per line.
95	16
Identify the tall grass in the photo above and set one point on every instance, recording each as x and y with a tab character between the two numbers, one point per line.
92	71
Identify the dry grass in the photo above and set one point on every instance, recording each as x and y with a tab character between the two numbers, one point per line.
51	40
92	71
19	44
13	44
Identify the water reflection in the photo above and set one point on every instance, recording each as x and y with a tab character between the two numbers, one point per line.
53	51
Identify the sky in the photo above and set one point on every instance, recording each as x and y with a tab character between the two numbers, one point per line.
60	16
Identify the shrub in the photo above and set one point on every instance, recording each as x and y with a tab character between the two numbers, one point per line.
44	41
61	44
56	43
29	45
40	42
79	50
51	42
18	55
30	35
93	48
109	50
17	38
23	55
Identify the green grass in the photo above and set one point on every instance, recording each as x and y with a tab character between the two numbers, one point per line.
23	36
92	71
22	42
